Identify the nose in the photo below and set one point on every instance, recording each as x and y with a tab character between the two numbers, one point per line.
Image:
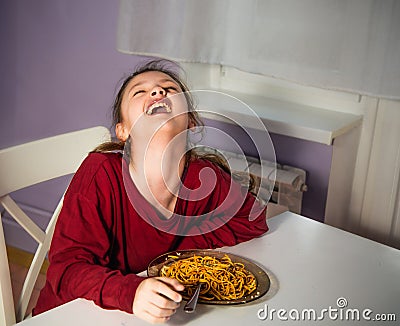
158	91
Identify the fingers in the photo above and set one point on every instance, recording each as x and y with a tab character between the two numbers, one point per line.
156	299
172	285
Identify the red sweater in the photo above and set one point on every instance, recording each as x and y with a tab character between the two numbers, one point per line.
100	241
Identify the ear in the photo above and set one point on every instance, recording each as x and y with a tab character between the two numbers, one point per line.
121	132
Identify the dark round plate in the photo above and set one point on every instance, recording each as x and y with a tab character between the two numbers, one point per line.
263	280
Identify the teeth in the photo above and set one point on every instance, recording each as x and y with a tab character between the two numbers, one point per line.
157	105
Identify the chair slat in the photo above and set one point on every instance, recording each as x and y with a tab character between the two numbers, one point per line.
6	295
36	265
19	215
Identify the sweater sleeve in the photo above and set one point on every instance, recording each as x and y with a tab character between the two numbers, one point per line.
79	260
237	216
81	264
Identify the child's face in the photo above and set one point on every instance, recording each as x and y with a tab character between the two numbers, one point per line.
155	98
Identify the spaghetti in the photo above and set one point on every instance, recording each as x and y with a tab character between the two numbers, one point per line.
222	279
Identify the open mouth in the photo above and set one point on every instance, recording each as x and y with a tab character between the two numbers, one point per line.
163	106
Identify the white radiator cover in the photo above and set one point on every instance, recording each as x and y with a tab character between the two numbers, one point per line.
281	184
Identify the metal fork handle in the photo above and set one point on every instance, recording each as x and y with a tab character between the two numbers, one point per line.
190	306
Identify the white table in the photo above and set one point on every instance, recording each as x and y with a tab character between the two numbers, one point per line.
312	265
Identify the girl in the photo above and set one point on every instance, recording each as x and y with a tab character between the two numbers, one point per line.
123	210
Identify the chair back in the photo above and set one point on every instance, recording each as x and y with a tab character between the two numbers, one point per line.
26	165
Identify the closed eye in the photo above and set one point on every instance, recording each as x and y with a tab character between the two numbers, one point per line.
171	88
138	92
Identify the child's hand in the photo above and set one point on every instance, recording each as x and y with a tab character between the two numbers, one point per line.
156	299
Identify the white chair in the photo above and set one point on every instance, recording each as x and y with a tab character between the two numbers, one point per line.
25	165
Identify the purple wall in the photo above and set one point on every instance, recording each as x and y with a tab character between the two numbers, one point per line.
59	66
315	159
60	70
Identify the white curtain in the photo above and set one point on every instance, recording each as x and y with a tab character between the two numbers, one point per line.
349	45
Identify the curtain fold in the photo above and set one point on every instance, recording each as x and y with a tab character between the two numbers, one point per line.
342	45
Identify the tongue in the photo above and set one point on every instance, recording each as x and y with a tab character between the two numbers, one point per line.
159	109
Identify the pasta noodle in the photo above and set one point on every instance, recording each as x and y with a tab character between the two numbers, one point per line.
221	278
